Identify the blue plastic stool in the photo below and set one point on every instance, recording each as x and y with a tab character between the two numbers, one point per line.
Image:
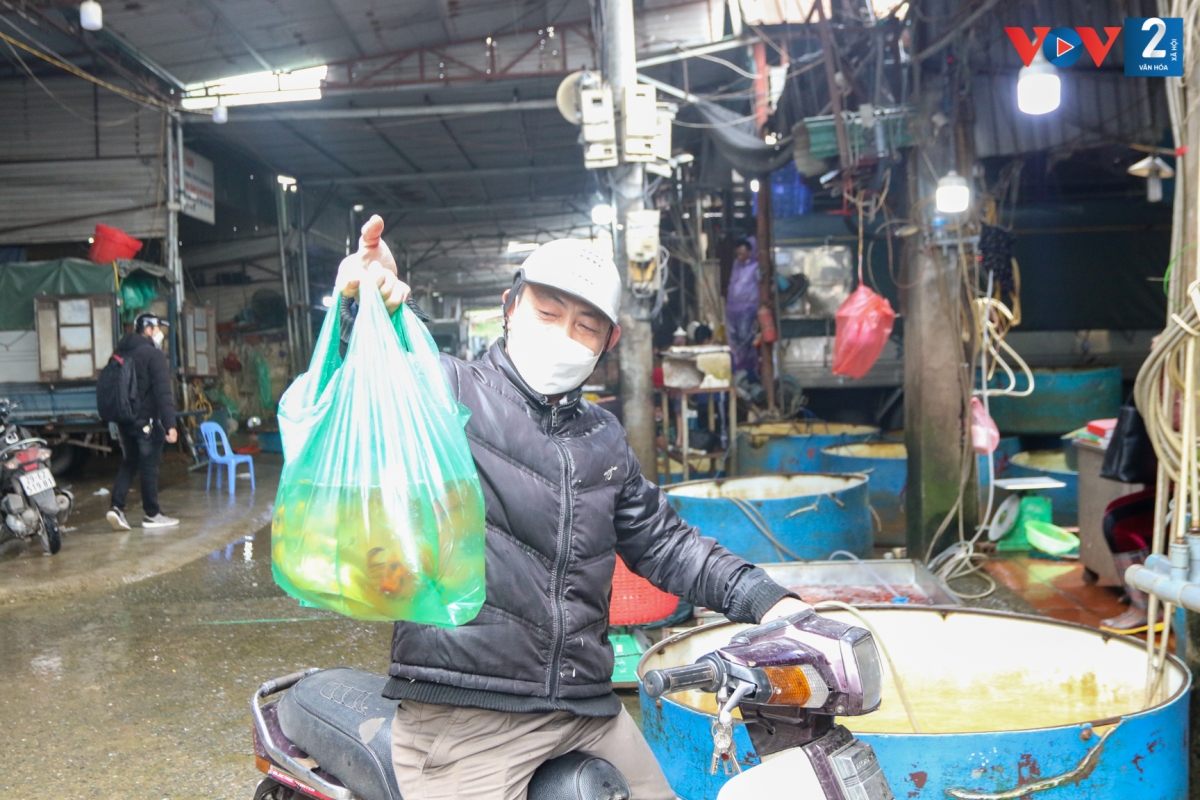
211	432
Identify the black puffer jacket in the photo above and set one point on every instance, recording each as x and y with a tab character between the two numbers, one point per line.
156	401
564	496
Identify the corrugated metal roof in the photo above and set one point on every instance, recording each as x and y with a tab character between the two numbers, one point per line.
1099	105
61	201
195	43
34	125
1098	108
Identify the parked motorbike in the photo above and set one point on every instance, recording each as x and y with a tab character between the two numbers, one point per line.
31	502
326	734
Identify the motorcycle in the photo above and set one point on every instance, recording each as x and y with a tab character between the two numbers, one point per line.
31	502
789	679
326	734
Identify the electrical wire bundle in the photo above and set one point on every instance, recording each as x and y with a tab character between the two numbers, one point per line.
1166	388
1166	391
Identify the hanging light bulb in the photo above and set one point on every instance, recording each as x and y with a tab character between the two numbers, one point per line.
754	185
1153	169
953	193
91	16
220	114
603	214
1039	90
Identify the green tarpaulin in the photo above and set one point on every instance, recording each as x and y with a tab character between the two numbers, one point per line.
21	281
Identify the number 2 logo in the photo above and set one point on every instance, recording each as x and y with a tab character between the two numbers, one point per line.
1154	47
1160	29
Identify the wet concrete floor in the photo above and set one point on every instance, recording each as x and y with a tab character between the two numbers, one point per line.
143	692
94	556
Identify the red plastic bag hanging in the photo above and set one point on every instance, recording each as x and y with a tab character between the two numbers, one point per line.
864	323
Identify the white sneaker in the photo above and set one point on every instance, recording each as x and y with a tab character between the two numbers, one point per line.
159	520
116	518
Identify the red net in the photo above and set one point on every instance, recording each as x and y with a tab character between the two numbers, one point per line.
635	601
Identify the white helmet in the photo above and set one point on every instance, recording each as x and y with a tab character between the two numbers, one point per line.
579	269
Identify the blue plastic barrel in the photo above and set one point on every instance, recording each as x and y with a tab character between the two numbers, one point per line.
780	517
1062	400
886	466
787	447
1001	700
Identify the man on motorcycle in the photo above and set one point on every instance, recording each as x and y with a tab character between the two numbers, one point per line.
484	704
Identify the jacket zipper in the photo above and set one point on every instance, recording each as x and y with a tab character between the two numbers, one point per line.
558	579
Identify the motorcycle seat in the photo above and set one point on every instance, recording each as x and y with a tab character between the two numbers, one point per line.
340	718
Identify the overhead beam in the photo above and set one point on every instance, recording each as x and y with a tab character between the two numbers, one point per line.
461	174
695	52
380	113
505	205
529	53
237	33
533	53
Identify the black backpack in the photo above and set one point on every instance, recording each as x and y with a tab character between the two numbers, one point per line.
117	397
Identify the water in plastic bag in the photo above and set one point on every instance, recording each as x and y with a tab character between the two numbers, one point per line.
379	514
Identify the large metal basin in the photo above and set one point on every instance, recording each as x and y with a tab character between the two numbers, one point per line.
1002	700
808	516
1062	400
787	447
886	466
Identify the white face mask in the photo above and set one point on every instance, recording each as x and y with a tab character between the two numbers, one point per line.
158	338
549	360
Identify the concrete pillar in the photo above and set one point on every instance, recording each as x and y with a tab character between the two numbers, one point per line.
936	377
635	349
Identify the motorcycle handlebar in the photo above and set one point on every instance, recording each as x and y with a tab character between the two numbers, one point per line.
703	675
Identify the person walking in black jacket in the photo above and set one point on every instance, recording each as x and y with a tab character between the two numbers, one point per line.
483	705
142	440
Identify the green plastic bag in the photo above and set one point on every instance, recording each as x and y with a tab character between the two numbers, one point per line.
379	514
138	292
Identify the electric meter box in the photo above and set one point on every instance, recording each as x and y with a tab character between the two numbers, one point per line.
641	112
641	235
640	121
600	155
664	118
597	115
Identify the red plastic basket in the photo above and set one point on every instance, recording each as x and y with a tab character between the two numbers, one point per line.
109	244
636	601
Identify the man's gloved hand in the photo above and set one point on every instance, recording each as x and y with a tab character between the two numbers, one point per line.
785	607
373	262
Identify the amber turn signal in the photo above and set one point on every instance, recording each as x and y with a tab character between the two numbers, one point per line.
789	686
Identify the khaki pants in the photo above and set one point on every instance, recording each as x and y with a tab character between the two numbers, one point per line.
452	752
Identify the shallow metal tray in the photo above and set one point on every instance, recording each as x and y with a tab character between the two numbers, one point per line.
897	572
